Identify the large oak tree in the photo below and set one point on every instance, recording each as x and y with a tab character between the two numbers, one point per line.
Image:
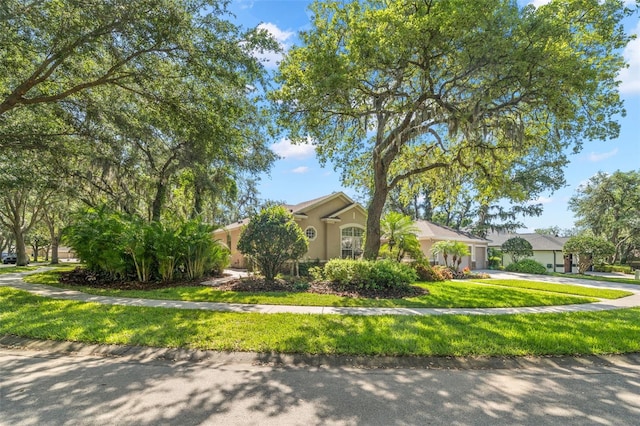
389	90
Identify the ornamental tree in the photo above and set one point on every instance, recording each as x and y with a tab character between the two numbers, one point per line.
271	238
456	249
391	90
590	250
518	248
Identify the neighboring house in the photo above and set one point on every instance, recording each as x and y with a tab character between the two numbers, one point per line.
547	250
430	233
334	225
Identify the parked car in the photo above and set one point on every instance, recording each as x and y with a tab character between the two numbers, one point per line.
11	258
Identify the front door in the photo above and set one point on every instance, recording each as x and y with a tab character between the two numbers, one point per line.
568	260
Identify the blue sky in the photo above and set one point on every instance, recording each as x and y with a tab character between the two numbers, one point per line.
298	176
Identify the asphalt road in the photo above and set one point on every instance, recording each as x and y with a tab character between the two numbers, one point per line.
46	388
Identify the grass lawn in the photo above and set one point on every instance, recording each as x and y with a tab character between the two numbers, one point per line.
607	332
442	295
602	293
594	278
15	269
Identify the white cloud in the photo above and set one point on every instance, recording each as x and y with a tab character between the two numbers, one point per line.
271	59
630	77
595	157
245	4
300	170
541	200
284	148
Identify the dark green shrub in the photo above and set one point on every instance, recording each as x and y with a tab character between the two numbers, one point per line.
527	266
271	238
368	274
125	246
517	247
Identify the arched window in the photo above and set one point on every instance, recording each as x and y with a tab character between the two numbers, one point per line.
351	242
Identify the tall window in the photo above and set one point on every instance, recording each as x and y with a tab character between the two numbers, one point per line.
351	242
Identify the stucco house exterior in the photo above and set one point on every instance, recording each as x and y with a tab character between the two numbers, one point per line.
547	250
334	225
429	233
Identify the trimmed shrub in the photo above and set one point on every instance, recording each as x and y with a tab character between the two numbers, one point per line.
427	273
527	266
443	271
272	238
369	274
613	268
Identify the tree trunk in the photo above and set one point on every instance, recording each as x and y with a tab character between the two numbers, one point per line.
374	213
158	201
21	248
55	242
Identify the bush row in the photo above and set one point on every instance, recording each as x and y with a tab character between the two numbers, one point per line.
613	268
124	247
366	274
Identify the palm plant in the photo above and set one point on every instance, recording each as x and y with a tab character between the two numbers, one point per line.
400	232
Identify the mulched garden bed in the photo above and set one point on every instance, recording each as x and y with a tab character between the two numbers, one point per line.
82	277
256	285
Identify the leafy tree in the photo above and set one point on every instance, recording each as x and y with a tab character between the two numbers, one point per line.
271	238
456	249
400	233
609	206
517	248
389	90
60	52
590	250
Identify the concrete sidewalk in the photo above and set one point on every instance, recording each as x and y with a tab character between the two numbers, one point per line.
15	281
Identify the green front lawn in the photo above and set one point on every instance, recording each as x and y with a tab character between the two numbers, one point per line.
595	278
607	332
442	295
16	269
601	293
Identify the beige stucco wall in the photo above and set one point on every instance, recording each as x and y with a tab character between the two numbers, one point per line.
467	261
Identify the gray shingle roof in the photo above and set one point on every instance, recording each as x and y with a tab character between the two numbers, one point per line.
537	241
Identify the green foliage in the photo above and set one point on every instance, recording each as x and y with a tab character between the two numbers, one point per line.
613	268
495	258
608	205
271	238
456	249
527	266
394	91
590	250
124	246
369	274
517	247
400	233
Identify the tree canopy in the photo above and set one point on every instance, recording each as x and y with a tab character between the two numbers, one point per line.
590	250
609	206
391	90
151	106
517	248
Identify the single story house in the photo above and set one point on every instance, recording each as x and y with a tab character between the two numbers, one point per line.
334	225
429	233
547	250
